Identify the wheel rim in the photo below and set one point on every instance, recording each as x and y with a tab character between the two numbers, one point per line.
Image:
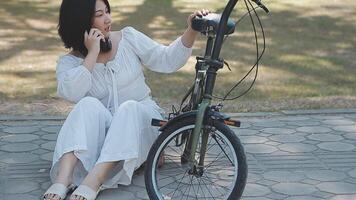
173	181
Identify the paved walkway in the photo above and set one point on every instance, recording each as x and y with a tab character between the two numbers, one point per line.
302	155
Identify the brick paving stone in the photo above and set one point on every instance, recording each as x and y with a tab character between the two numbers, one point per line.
284	176
325	175
52	137
142	194
245	132
344	197
255	198
16	158
294	188
49	145
336	146
18	197
52	129
352	173
287	138
264	134
267	183
19	147
47	156
253	177
255	190
269	124
276	196
20	138
52	123
20	129
304	123
310	181
297	147
245	125
351	136
260	148
314	129
114	194
303	198
273	143
327	117
18	187
39	151
337	187
350	128
325	137
338	122
323	195
313	142
252	139
278	130
20	123
295	118
40	133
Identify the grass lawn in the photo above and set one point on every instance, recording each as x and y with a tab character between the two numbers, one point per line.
309	62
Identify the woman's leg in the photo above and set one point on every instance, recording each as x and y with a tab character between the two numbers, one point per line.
97	176
66	167
65	171
79	142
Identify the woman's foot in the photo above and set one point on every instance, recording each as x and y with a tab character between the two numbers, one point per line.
94	180
64	177
57	191
84	192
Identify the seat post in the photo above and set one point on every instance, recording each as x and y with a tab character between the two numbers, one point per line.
209	46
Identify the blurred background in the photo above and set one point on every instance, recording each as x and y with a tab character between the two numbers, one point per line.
309	62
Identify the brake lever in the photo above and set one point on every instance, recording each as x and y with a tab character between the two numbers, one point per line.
260	4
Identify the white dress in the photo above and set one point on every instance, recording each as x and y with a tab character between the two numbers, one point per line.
111	120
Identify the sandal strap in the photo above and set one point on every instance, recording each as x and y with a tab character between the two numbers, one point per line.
57	189
86	192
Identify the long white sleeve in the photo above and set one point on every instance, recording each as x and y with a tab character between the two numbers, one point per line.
155	56
74	80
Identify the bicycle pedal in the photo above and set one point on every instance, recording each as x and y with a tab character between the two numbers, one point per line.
158	122
231	122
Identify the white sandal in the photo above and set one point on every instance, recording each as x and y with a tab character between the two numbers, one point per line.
86	192
58	189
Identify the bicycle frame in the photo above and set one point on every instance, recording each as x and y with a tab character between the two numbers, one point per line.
212	64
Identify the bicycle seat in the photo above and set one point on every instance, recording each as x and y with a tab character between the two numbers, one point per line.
204	23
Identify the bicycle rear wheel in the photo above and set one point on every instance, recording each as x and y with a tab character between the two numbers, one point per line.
224	170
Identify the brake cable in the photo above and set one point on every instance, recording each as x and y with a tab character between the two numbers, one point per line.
258	57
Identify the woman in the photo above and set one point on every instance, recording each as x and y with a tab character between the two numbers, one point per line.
108	134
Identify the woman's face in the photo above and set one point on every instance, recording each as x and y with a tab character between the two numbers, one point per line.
102	18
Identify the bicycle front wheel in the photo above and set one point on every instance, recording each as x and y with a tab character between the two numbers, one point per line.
223	174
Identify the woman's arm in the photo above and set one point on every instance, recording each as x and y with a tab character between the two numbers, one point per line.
190	35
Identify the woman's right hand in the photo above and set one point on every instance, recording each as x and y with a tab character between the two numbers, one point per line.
92	40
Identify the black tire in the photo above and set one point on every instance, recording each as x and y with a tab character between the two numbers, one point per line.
183	127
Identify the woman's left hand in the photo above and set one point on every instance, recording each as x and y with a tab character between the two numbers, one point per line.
202	12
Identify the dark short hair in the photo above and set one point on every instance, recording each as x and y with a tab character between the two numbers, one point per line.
76	17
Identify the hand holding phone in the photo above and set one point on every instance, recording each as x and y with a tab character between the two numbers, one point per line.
106	45
95	41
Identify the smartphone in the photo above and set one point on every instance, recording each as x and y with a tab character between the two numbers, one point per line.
106	45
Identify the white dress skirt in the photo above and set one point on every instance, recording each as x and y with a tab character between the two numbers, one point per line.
111	120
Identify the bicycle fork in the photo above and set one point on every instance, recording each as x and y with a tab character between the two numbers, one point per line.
196	168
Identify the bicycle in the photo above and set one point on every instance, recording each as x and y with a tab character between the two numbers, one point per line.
204	157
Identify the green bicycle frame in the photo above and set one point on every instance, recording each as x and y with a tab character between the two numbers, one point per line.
212	64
